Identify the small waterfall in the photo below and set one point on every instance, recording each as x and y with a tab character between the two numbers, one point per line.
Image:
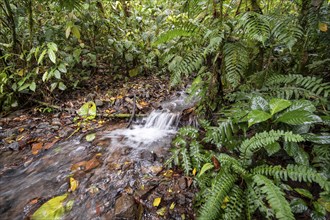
163	120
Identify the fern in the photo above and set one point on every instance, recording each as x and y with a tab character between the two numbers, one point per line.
171	34
297	85
186	163
260	140
234	164
294	172
221	134
234	208
236	61
212	208
275	197
255	26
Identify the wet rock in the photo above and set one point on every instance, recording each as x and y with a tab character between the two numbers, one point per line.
98	102
43	125
125	207
14	146
180	199
56	122
182	182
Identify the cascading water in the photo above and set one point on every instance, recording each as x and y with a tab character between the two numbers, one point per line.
137	147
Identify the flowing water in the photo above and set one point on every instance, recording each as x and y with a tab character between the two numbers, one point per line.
118	163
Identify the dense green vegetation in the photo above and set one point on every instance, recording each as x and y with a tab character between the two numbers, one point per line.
260	68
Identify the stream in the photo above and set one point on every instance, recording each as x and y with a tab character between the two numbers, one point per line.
119	173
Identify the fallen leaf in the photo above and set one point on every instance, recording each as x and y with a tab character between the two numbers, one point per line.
49	145
21	130
90	137
161	211
216	163
168	173
73	184
323	27
36	148
52	209
172	205
34	201
194	171
157	201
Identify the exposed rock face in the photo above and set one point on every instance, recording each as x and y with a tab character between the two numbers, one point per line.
125	207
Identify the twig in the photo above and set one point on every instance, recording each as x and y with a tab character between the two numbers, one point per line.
133	113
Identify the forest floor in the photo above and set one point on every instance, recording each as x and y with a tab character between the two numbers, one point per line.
32	133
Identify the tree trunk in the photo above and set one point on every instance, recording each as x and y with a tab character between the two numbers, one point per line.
11	21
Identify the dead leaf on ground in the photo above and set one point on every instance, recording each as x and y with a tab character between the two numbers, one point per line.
49	145
36	147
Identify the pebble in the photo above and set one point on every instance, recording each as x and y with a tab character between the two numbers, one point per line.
14	146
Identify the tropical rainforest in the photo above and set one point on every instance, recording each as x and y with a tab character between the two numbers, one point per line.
257	72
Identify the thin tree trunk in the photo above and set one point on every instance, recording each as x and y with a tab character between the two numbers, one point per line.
10	17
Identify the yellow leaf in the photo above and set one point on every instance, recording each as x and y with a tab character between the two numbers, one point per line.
194	171
226	199
73	184
52	209
157	201
224	203
172	205
168	173
161	211
323	27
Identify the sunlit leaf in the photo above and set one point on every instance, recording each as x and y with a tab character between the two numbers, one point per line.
304	193
52	209
205	168
194	171
161	211
259	103
90	137
57	74
53	86
52	46
298	117
88	110
75	31
61	86
51	55
73	184
67	32
62	68
157	201
277	105
33	86
257	116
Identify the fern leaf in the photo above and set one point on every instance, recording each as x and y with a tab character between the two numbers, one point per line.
294	172
212	208
260	140
275	197
255	26
234	208
171	34
236	62
186	161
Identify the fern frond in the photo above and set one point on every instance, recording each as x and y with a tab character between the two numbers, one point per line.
260	140
197	158
298	85
294	172
230	162
234	208
171	34
255	26
186	161
221	134
275	197
212	208
236	62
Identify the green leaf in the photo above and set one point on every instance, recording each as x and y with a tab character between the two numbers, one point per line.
57	74
318	139
298	205
273	148
304	193
259	103
277	105
88	110
205	168
76	54
90	137
52	209
75	31
52	46
67	32
26	85
61	86
298	117
51	55
33	86
62	68
297	153
129	57
45	76
134	72
41	57
53	86
257	116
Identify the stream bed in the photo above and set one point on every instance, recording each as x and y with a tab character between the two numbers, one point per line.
119	174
